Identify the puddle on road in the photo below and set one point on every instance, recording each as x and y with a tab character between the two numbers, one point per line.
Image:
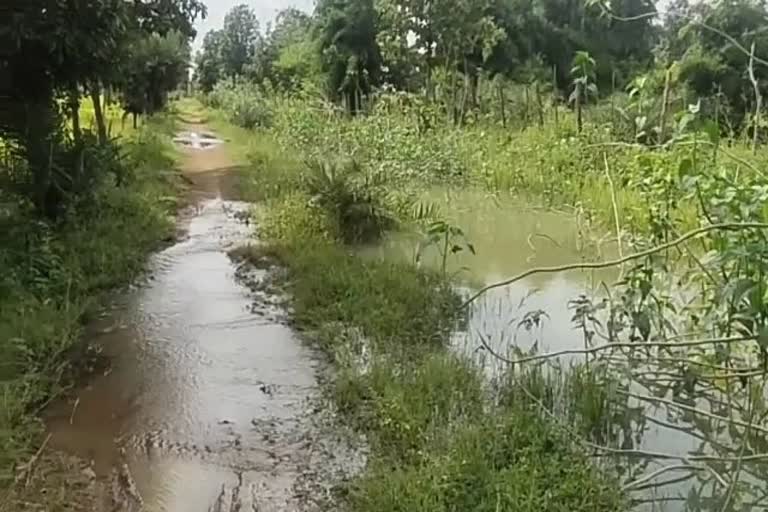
195	140
202	393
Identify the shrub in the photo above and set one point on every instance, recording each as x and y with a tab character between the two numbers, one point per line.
509	462
356	200
244	104
293	217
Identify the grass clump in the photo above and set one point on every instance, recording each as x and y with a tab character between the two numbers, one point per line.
55	271
514	461
391	303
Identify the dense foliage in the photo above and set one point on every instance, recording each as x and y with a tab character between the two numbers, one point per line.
83	199
54	53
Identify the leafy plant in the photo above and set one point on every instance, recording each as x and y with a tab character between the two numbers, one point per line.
354	198
449	240
583	74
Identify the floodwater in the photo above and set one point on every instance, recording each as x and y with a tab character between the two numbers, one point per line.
510	236
537	314
210	401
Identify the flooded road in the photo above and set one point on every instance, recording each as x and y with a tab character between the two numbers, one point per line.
210	401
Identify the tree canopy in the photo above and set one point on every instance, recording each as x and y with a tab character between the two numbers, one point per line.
55	51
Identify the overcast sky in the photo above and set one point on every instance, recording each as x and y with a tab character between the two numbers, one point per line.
264	9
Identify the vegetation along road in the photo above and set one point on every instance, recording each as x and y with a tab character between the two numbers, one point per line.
387	255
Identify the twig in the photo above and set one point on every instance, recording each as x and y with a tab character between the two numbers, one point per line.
659	472
740	461
609	346
74	409
700	23
758	457
665	483
29	466
613	263
615	205
693	410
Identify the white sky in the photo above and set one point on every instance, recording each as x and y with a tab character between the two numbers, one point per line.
265	10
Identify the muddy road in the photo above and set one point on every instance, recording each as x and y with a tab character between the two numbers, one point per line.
210	401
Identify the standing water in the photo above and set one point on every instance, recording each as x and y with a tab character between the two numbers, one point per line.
670	457
210	401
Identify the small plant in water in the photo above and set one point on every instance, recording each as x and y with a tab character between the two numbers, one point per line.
449	240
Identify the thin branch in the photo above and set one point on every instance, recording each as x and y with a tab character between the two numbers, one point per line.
609	346
700	23
693	410
659	472
665	483
615	205
758	457
613	263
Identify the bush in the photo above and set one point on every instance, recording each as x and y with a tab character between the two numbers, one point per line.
244	104
354	199
508	462
294	217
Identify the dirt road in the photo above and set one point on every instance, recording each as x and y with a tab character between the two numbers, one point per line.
210	402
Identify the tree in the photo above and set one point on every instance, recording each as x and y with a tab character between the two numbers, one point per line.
583	74
154	66
240	40
209	67
287	55
711	63
351	59
60	48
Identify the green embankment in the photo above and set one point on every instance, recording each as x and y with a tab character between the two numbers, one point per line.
55	276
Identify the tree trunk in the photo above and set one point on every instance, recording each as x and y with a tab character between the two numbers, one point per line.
758	99
579	122
664	108
73	105
554	95
503	104
539	105
474	84
526	105
38	144
98	113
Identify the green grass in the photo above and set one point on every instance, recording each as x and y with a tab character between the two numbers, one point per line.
439	441
440	438
55	274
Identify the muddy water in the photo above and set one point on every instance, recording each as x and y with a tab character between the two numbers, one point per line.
210	401
511	236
